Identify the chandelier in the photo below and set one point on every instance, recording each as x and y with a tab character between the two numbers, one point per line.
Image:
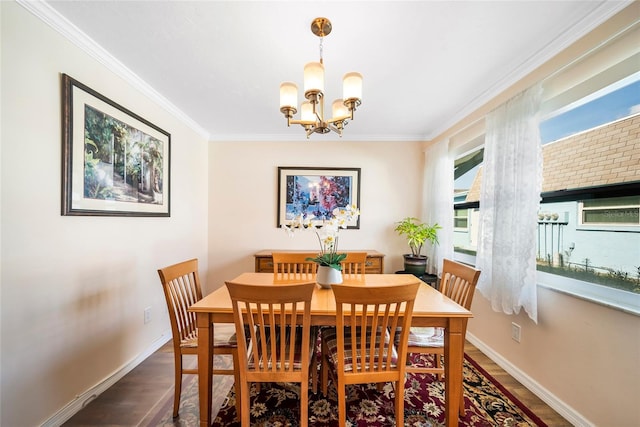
312	117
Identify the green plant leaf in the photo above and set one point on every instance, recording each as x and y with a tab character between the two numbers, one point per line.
417	233
329	259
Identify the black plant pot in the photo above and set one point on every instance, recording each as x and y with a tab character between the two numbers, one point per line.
416	265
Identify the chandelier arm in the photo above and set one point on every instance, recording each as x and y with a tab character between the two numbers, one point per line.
335	129
321	107
310	131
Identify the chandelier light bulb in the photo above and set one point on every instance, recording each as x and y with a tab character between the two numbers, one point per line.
352	86
338	109
313	78
288	95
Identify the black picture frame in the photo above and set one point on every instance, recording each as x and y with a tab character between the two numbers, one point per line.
300	191
114	162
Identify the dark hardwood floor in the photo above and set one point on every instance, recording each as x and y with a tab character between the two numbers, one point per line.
531	401
132	398
140	393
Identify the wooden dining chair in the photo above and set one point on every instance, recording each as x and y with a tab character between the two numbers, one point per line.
369	340
294	265
280	343
181	286
354	265
291	267
458	282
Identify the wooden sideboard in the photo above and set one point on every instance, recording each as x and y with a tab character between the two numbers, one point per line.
374	265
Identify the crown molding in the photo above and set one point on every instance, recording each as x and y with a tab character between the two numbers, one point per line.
59	23
298	136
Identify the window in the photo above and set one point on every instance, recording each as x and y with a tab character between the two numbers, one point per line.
614	211
617	101
589	227
466	197
461	219
589	218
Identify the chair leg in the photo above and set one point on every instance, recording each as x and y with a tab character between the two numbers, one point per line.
324	370
399	403
244	415
342	405
313	372
304	403
461	411
438	362
177	383
313	368
236	380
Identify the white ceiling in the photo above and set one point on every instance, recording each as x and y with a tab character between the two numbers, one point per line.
426	64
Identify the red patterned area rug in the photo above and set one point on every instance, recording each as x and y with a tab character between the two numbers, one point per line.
487	403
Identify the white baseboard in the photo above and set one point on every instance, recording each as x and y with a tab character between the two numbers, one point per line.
566	411
82	400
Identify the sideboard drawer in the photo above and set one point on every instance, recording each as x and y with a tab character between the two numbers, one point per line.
374	264
264	264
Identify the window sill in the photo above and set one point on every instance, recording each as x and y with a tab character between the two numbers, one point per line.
616	299
611	227
609	297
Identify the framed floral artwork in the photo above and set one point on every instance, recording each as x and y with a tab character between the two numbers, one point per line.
114	162
316	192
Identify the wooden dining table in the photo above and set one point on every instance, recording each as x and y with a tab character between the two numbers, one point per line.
431	308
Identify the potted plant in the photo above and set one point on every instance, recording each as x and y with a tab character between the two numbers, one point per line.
417	233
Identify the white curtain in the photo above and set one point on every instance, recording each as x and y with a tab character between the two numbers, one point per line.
438	201
509	202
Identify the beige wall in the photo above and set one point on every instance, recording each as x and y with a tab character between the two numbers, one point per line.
243	181
73	289
581	356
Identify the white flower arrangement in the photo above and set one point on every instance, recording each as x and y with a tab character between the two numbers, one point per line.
327	233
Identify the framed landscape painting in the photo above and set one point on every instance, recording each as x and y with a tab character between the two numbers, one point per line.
114	162
316	191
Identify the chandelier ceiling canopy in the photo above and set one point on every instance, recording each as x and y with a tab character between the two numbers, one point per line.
312	117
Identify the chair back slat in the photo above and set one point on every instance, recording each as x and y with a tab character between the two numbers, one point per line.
458	282
354	265
181	286
294	266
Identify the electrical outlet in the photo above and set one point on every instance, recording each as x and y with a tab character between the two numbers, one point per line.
147	315
515	331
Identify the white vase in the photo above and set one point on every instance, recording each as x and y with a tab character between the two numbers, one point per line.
327	276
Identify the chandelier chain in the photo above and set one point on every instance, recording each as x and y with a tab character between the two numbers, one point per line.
321	39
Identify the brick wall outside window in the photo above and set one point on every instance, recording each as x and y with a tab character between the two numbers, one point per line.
608	154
